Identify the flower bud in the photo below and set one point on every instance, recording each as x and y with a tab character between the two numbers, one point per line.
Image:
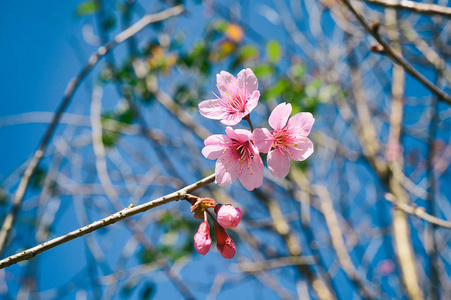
228	216
225	246
202	239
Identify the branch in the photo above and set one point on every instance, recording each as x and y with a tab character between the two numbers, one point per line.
339	245
123	214
268	264
422	8
418	212
70	90
373	30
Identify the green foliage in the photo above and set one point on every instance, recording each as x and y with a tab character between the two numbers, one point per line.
38	178
274	51
197	58
117	121
245	54
177	241
263	71
3	198
277	89
109	23
87	8
148	256
148	290
128	288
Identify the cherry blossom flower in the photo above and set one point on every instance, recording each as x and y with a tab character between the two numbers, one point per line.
238	97
237	157
287	140
225	244
228	216
202	239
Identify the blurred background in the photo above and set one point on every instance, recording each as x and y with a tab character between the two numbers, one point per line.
365	217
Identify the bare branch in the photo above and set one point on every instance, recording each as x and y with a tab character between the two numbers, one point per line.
418	212
123	214
422	8
267	264
397	58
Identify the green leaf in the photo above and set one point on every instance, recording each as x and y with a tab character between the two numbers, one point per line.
220	25
148	256
298	70
248	52
127	290
262	71
148	290
109	23
38	178
277	89
274	51
87	8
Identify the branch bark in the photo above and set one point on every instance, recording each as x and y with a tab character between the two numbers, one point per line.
422	8
397	58
120	215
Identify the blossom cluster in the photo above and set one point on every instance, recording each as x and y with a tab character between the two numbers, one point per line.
238	151
227	216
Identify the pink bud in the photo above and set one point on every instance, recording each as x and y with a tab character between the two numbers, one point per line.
202	239
225	246
228	216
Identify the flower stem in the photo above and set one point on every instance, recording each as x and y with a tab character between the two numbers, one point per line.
211	216
248	119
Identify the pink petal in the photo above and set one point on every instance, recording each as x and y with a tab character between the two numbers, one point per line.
241	135
252	174
302	150
278	163
279	116
252	102
233	118
263	139
226	83
228	249
226	171
228	216
247	81
301	123
215	145
211	109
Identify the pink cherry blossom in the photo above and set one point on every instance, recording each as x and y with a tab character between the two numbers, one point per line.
287	140
202	239
225	245
238	97
237	157
228	216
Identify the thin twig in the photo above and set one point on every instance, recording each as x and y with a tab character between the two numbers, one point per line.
123	214
418	212
9	221
422	8
339	245
268	264
398	59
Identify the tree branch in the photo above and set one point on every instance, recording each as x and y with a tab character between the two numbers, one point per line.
123	214
418	212
397	58
422	8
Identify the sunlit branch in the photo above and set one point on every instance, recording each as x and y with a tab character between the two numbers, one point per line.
123	214
418	212
417	7
373	30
